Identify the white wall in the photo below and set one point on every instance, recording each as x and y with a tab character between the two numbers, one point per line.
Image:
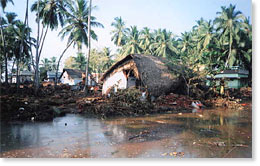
118	79
65	79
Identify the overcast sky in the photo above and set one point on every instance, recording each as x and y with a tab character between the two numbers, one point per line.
174	15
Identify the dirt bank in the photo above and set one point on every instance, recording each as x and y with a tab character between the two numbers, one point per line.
52	102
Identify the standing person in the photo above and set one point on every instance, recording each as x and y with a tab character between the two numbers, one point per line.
222	87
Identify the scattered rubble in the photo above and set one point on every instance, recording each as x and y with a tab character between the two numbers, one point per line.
52	102
25	106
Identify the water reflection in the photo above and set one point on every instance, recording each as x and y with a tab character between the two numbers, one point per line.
203	133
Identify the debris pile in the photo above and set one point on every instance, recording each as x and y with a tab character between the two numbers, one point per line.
244	93
125	102
227	102
174	102
25	106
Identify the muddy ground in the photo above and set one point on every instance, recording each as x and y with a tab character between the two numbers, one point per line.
51	102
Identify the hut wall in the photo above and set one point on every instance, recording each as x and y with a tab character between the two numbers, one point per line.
66	79
116	79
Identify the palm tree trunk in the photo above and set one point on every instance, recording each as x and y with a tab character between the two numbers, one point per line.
43	40
21	47
89	48
17	74
5	54
58	65
37	83
12	71
230	49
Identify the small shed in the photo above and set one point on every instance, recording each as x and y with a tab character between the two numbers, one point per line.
145	71
233	78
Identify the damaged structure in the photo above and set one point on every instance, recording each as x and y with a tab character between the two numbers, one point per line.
143	71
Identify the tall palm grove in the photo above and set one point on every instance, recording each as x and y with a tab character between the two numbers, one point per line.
211	45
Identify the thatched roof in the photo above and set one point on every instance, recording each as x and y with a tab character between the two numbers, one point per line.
152	71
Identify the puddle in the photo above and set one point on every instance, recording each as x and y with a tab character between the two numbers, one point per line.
207	133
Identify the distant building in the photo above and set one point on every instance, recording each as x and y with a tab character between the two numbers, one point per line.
51	76
25	76
74	77
233	78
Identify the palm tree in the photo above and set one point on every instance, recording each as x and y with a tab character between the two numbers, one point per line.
51	14
6	26
228	24
4	3
132	44
80	61
76	26
46	64
163	44
146	40
119	33
22	41
108	61
53	63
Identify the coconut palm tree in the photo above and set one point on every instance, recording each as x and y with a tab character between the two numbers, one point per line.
132	45
3	3
7	24
53	63
80	61
146	40
106	52
46	64
18	35
163	45
119	33
76	27
23	41
51	14
228	24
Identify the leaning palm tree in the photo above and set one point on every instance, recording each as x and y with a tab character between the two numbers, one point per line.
51	14
228	24
119	33
76	27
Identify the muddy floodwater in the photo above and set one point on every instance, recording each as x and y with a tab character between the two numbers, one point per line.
204	133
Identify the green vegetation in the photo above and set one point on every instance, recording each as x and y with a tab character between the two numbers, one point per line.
211	45
100	61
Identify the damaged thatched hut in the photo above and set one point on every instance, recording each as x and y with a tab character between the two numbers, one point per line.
145	71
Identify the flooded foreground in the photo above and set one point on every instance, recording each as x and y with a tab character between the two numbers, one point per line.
206	133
